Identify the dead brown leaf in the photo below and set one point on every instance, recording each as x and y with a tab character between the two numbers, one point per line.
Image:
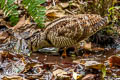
3	35
64	5
94	65
30	66
11	64
60	73
20	23
89	77
55	12
7	24
13	78
87	46
114	61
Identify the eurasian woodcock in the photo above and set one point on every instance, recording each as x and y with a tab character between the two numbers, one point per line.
67	31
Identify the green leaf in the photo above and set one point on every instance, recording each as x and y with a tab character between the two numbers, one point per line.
40	1
103	71
10	10
14	20
36	11
26	2
2	3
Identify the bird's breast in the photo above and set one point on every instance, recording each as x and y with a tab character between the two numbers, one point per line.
60	41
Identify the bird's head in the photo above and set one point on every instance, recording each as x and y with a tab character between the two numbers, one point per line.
37	41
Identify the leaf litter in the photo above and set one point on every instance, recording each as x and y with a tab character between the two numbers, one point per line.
96	63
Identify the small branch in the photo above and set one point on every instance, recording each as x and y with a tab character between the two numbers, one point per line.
53	2
69	12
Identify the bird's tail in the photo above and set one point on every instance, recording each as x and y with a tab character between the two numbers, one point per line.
100	25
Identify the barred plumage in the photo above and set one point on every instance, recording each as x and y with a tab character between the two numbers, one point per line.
66	31
69	30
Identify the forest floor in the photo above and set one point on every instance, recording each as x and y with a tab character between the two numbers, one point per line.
98	59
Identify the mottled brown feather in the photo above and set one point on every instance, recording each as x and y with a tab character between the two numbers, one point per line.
70	30
66	31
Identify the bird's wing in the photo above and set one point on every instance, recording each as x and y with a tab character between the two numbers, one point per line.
72	26
67	26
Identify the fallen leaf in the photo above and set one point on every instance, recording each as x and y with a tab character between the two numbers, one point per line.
87	46
77	76
89	77
55	12
13	78
83	44
64	5
20	23
98	49
93	64
3	35
7	24
60	73
30	66
11	63
114	61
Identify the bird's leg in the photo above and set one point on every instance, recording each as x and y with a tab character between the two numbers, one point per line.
78	46
76	50
64	54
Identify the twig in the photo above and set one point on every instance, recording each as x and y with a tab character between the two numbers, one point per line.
53	2
69	12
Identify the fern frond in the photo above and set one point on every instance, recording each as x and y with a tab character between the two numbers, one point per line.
36	11
10	10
